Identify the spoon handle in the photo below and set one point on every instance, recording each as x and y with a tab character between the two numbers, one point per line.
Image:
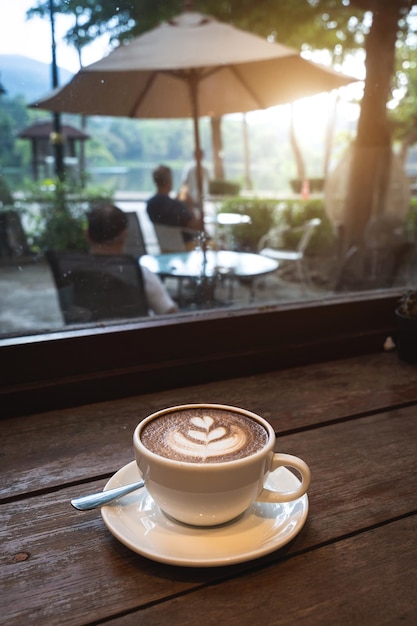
94	500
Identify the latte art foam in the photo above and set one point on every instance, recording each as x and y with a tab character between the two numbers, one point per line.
201	435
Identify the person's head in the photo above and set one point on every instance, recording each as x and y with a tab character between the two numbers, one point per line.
107	228
162	177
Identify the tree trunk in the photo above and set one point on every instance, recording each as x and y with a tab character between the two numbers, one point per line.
299	161
369	172
82	162
328	140
246	153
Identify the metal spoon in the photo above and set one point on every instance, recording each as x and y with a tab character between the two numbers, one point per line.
94	500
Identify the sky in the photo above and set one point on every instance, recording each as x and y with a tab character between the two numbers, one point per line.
32	38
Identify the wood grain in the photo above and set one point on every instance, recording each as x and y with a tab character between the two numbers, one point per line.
367	579
363	477
95	440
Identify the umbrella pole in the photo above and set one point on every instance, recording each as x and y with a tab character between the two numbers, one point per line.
206	289
193	86
56	136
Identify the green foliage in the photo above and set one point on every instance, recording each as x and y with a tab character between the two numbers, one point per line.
261	212
56	216
291	215
288	216
97	151
408	304
336	26
6	197
404	116
316	185
117	140
13	117
411	220
60	231
223	188
299	23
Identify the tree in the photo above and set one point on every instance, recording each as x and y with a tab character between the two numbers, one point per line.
13	116
336	25
300	21
371	160
403	117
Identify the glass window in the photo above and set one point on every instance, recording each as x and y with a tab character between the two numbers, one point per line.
262	244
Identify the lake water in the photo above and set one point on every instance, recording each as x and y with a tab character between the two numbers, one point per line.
139	178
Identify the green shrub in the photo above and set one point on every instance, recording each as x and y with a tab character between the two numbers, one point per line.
6	198
316	185
291	215
220	187
261	211
61	231
56	215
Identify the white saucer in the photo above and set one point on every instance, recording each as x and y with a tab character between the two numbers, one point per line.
140	525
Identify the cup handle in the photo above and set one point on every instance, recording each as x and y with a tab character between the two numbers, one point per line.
280	460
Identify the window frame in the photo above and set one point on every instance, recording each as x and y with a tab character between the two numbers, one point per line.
79	366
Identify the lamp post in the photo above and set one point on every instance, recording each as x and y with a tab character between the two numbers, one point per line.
56	137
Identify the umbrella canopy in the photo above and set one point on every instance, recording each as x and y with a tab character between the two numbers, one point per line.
192	66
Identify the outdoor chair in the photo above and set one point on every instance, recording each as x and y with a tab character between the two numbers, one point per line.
389	251
266	247
13	242
94	288
376	269
386	259
170	238
135	241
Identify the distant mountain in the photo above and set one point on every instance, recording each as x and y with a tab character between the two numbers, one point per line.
21	75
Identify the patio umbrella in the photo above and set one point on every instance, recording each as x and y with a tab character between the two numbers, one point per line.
192	66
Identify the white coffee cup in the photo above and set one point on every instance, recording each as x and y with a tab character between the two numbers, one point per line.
213	487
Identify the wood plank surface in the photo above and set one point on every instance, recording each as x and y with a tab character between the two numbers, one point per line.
95	440
60	566
369	579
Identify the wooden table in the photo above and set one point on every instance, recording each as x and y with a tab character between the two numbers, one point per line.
354	562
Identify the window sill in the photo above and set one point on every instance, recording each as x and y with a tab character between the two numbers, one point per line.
43	372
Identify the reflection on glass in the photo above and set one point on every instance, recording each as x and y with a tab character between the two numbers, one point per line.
271	173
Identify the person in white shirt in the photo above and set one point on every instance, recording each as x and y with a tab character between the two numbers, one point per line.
189	179
106	234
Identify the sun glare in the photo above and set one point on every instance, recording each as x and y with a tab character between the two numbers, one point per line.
312	115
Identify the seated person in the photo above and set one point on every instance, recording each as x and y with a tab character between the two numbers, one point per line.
106	233
162	209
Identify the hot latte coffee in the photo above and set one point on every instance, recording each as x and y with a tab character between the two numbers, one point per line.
204	435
